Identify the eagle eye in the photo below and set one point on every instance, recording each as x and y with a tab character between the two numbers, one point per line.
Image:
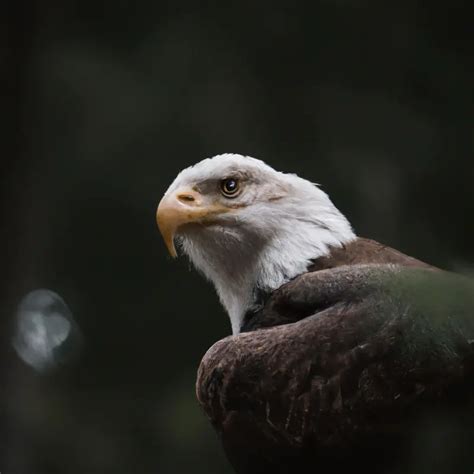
230	187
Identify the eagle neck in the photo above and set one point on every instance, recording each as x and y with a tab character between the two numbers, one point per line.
245	266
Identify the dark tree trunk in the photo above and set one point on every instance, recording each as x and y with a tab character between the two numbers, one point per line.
17	23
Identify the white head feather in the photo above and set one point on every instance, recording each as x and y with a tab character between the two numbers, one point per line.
278	225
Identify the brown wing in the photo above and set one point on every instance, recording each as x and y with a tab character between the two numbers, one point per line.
384	360
314	291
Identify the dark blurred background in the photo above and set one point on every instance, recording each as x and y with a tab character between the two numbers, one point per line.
103	103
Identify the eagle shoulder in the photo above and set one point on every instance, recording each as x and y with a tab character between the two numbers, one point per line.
341	275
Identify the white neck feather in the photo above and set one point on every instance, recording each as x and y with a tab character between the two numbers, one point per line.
268	247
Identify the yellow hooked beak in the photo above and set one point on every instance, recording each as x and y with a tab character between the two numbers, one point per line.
184	206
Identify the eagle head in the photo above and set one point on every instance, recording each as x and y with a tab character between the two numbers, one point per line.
247	227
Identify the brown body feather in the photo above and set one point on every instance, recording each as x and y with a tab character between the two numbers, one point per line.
347	368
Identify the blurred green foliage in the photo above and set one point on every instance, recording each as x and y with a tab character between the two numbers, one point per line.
374	102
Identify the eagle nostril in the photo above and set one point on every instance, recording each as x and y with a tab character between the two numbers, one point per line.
186	198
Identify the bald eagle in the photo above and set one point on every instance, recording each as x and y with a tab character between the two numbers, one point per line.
344	351
250	229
